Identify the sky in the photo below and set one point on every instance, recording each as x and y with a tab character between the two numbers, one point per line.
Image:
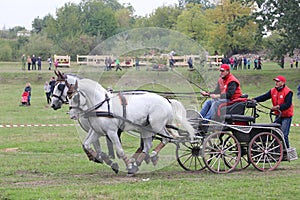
23	12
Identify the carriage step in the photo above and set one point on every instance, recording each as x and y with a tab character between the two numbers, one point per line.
292	153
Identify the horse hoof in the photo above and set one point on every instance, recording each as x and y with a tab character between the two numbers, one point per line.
154	160
147	159
115	167
98	160
132	169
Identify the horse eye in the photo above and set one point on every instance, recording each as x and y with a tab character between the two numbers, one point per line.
61	87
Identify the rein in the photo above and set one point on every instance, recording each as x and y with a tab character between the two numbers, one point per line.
95	107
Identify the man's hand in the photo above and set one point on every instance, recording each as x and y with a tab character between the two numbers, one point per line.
275	108
206	94
215	96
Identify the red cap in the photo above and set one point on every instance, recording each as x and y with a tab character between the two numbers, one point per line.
280	78
224	67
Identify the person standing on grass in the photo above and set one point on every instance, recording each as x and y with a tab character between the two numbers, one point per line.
106	64
52	84
298	93
296	61
39	63
47	89
118	67
281	97
50	62
292	62
33	62
23	62
28	62
28	89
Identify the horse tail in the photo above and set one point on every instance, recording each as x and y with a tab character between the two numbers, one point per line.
179	113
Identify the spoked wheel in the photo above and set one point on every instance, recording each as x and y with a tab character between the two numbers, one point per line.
221	152
265	151
244	161
189	155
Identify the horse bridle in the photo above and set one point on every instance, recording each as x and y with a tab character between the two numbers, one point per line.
61	91
71	94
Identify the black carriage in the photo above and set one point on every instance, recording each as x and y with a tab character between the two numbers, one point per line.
233	141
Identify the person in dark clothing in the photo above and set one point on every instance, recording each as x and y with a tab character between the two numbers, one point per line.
281	97
33	62
52	84
39	63
228	88
190	62
298	93
28	89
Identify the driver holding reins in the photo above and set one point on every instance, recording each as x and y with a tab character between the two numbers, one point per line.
281	97
228	89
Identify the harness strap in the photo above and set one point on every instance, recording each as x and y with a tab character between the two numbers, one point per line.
88	112
124	104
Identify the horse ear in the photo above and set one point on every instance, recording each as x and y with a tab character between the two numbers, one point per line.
76	85
55	72
68	84
59	73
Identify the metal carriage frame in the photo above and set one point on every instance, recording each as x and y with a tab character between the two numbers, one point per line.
234	144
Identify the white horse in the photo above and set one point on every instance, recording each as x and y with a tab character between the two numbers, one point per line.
59	97
144	112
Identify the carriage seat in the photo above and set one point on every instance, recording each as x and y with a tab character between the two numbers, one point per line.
240	118
236	106
275	125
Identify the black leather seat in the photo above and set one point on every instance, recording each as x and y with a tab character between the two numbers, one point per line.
241	118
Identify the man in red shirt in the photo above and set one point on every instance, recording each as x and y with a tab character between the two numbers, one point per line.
228	88
281	97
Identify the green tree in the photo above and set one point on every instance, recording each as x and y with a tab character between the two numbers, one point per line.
5	51
230	40
98	19
37	25
281	16
165	17
38	45
204	3
193	23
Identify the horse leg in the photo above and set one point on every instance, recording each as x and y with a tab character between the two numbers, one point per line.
119	150
136	162
93	138
98	152
110	148
114	166
97	156
154	154
110	145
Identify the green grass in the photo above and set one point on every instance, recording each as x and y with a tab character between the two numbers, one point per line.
49	162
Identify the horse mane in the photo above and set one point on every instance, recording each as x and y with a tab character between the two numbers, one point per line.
74	76
90	86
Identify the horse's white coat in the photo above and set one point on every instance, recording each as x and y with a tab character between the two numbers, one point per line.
145	109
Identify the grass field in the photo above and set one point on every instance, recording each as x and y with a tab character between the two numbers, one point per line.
48	162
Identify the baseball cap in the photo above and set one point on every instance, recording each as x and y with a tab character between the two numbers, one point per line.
280	78
224	67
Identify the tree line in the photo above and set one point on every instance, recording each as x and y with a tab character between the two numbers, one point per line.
226	26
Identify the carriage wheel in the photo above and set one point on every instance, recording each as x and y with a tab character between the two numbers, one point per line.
265	151
221	152
189	155
244	161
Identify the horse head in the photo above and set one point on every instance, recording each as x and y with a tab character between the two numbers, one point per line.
59	92
77	101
